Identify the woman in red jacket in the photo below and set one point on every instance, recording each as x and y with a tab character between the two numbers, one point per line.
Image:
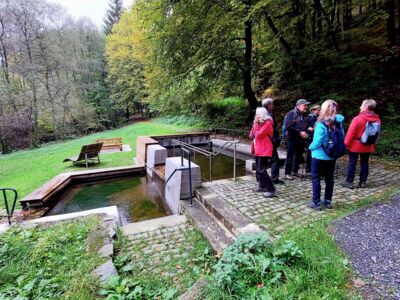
262	131
356	147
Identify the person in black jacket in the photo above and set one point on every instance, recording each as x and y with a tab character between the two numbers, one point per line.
312	118
268	104
296	125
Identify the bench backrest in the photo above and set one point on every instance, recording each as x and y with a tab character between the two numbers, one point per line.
91	151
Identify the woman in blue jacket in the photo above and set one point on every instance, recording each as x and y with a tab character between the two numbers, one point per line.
322	164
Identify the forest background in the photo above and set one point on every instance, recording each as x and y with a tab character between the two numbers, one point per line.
205	63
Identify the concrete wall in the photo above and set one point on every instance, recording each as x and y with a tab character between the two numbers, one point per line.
178	186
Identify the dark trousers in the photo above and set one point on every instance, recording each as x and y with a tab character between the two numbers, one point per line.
364	169
325	168
294	157
275	165
308	161
262	174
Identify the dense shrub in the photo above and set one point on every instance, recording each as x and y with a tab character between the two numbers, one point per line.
222	113
253	264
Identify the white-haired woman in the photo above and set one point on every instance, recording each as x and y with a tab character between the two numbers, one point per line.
323	165
262	132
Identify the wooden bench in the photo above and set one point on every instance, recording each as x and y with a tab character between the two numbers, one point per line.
111	143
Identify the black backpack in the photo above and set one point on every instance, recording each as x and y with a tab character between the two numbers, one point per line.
335	148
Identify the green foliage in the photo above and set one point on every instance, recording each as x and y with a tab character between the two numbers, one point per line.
150	277
222	113
48	263
227	113
253	265
182	120
118	288
389	140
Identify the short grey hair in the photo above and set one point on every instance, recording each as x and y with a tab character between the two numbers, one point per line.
369	104
267	101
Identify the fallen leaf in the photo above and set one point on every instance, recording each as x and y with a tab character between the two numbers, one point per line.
358	282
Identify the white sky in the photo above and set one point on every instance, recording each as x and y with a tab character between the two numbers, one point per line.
93	9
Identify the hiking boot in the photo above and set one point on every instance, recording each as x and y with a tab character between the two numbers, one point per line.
278	181
327	204
362	185
269	194
315	205
289	177
348	185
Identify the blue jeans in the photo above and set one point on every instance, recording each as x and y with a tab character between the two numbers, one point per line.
321	168
364	169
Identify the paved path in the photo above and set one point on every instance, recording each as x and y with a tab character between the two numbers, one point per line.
290	209
371	237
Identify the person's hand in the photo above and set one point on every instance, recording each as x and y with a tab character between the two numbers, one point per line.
303	134
310	129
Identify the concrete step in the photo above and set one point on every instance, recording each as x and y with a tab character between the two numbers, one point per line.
151	225
229	216
213	230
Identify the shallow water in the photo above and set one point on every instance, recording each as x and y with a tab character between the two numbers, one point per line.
137	198
221	165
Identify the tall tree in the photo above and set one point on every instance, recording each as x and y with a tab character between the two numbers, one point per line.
113	15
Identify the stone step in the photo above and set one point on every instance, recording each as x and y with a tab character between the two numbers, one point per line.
229	216
151	225
214	231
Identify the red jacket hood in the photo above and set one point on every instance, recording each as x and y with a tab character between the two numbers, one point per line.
369	116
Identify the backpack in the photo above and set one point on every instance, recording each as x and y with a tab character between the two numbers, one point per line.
285	125
371	133
335	147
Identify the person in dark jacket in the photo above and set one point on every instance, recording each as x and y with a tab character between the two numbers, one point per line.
268	104
354	145
312	118
296	126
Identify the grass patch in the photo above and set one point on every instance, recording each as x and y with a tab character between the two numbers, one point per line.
29	169
162	274
48	262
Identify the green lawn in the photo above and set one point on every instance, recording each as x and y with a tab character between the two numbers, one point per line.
29	169
51	262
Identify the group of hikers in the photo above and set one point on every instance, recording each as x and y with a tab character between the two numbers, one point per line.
318	135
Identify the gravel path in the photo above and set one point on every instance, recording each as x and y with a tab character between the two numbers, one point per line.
371	238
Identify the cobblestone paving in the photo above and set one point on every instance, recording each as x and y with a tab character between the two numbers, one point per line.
168	252
289	209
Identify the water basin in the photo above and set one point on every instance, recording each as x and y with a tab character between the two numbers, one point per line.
137	198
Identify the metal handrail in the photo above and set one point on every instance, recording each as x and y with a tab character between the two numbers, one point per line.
209	154
8	211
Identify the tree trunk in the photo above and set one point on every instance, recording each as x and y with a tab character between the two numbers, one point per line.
247	87
391	25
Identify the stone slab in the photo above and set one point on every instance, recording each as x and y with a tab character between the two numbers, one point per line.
233	219
109	210
150	225
105	271
156	155
195	291
250	165
217	235
107	250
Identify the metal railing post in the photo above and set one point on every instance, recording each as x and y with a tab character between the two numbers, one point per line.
234	162
190	180
182	154
210	166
